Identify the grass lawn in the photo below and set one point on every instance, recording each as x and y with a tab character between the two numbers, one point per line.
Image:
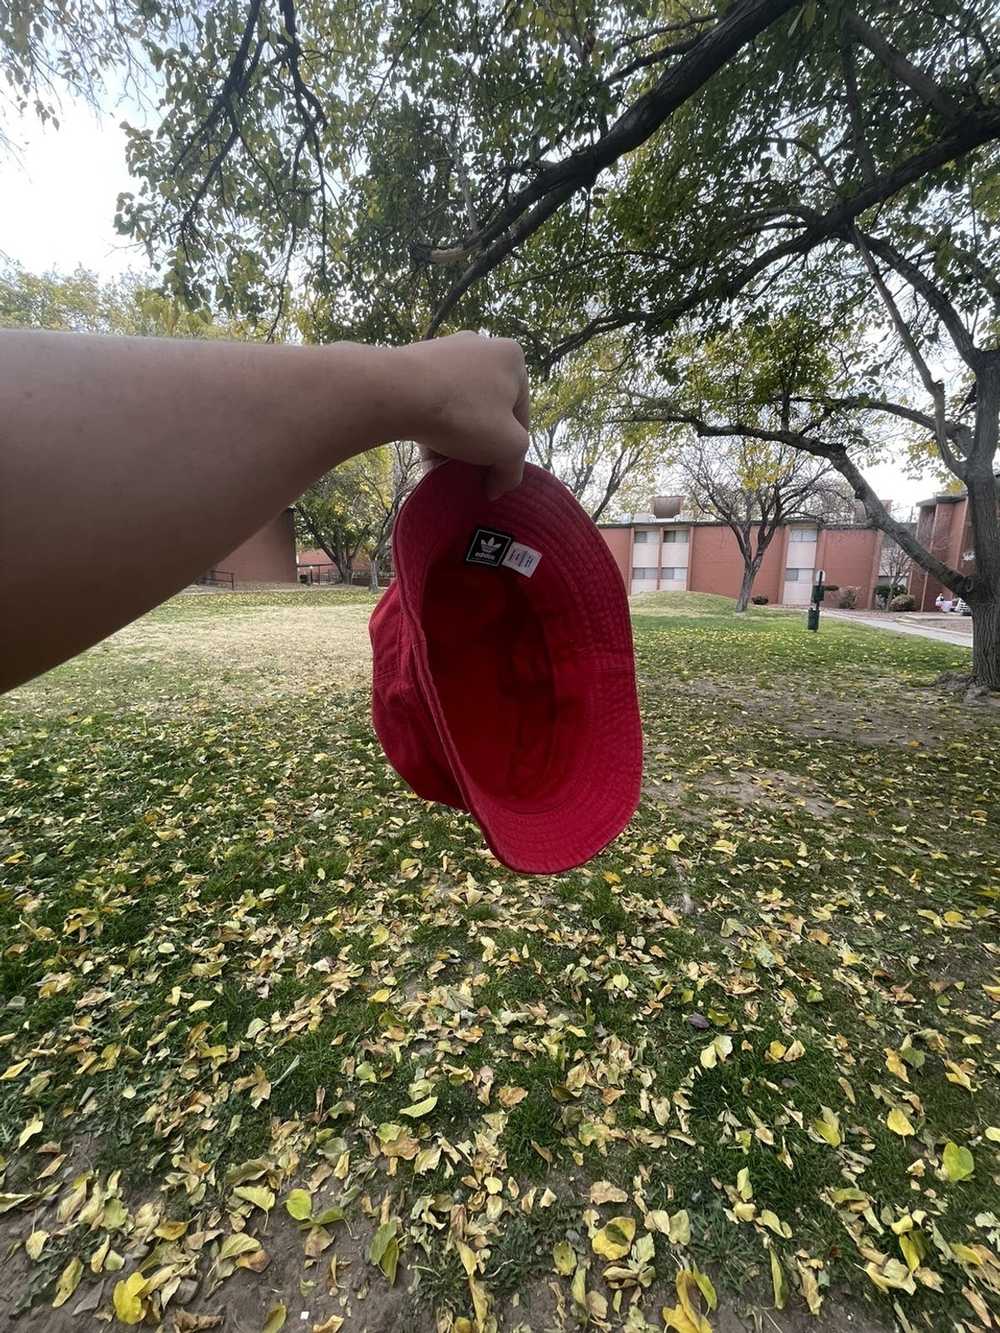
281	1041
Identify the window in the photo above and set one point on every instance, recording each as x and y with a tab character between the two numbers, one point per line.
668	572
677	535
644	536
642	572
802	535
798	575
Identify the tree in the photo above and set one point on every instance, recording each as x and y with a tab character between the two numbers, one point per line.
894	567
581	433
561	171
338	516
388	475
80	302
754	488
353	508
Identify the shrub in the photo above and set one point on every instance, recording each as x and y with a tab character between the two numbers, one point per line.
759	600
848	599
905	603
883	592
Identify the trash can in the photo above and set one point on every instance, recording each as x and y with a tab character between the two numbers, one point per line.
812	618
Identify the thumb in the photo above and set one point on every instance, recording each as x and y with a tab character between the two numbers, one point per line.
508	474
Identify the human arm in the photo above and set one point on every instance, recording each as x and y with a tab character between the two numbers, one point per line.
128	466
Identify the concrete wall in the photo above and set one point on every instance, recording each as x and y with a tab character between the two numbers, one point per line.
267	557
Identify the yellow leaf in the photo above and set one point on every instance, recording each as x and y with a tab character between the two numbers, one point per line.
680	1228
36	1243
127	1299
958	1162
34	1126
891	1276
993	1133
913	1249
237	1244
615	1240
602	1191
276	1319
257	1195
743	1186
774	1223
69	1280
564	1258
685	1317
170	1230
420	1108
778	1282
332	1325
827	1127
810	1287
895	1065
298	1204
898	1123
954	1073
12	1071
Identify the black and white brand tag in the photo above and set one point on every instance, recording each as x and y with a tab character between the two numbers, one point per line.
488	547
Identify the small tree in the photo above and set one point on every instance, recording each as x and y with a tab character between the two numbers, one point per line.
337	515
388	476
750	478
353	508
580	433
894	567
754	488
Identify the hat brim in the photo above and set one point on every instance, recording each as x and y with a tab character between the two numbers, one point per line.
601	792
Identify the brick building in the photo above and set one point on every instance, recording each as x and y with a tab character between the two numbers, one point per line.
701	555
266	557
944	527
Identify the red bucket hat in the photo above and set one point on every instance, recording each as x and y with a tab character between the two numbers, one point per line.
504	677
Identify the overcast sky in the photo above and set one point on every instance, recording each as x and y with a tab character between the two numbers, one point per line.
57	204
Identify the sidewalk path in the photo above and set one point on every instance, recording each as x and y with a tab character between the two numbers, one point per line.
930	627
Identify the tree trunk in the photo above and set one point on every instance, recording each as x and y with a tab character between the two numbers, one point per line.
986	644
746	587
373	573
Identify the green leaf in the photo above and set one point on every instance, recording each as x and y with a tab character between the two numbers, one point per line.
419	1109
298	1204
275	1319
959	1163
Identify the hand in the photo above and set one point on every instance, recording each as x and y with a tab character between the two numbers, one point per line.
466	397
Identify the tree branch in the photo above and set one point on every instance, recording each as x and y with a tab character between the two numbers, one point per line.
934	387
902	70
534	203
979	127
933	295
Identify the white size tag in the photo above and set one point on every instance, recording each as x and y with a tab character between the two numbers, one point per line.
522	558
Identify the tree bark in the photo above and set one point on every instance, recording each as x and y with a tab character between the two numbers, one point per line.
746	588
986	644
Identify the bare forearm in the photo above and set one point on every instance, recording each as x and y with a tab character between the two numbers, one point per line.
128	466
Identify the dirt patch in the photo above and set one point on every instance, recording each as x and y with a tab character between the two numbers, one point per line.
775	786
829	716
